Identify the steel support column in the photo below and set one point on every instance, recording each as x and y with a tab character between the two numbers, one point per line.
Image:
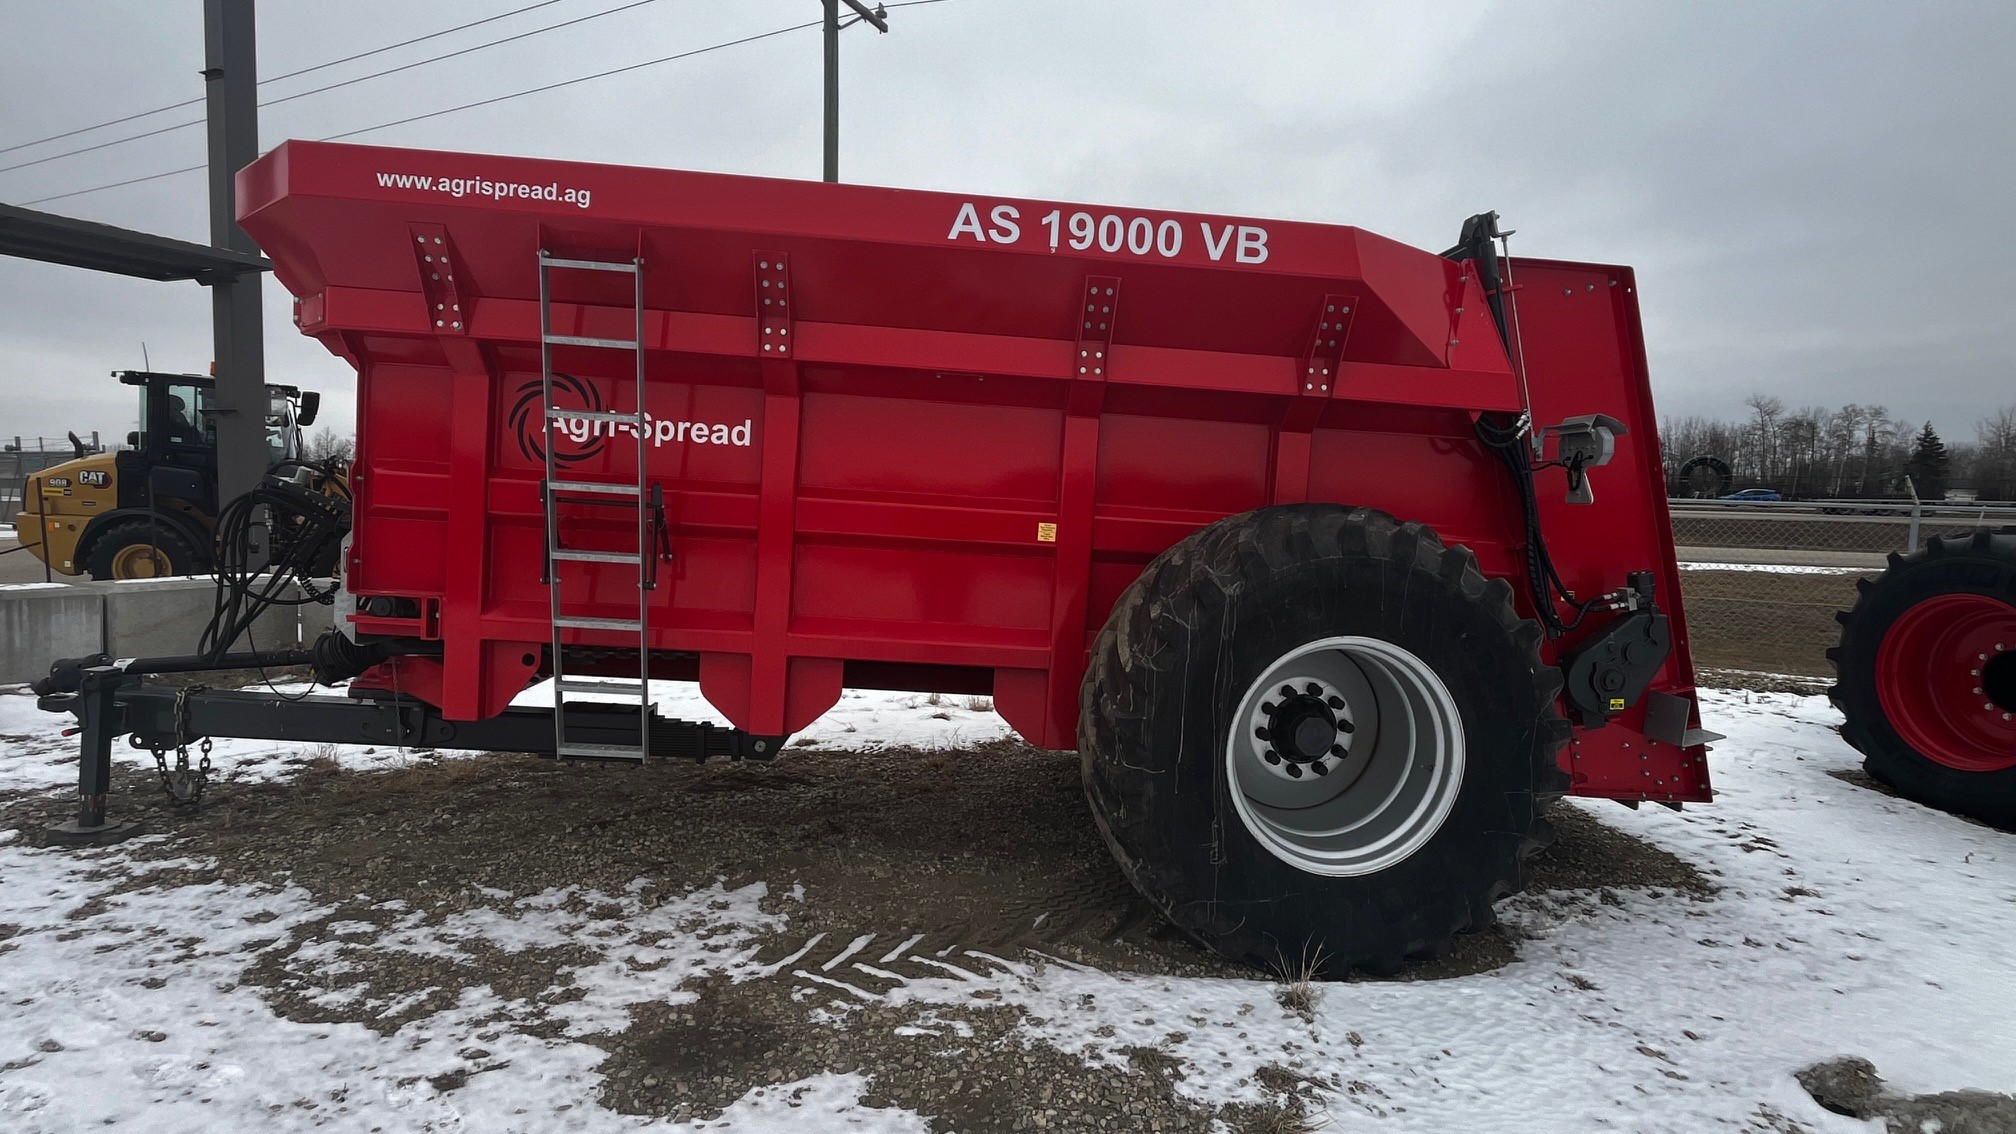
231	97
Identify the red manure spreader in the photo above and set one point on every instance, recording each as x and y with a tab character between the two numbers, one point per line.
1335	559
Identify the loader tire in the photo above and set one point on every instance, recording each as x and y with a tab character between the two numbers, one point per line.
1925	675
1334	637
121	551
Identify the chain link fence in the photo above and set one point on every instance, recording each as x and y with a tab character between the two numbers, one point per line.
1761	581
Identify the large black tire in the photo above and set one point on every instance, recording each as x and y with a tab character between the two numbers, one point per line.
120	551
1181	657
1926	675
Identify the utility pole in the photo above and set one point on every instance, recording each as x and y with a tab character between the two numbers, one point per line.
231	97
880	18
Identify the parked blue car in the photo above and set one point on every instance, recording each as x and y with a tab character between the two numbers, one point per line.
1755	494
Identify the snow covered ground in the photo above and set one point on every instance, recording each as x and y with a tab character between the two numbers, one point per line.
1847	923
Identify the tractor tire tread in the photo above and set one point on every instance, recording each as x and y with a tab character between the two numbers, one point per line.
1150	639
1987	796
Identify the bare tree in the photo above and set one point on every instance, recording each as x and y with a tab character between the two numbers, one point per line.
1878	431
1800	448
326	444
1765	429
1995	455
1843	431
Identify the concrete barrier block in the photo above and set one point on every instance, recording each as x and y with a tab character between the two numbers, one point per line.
41	622
166	617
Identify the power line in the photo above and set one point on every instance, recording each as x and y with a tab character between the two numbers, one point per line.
606	74
581	79
332	86
490	101
464	106
410	42
288	75
116	184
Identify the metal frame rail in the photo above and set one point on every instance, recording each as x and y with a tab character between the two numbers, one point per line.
112	700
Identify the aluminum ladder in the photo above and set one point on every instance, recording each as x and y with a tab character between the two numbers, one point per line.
556	491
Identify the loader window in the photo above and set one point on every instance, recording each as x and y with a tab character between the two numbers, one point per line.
178	412
184	420
280	430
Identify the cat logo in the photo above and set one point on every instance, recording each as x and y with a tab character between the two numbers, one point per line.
94	478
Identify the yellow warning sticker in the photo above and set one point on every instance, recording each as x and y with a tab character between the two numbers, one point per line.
1046	533
1616	704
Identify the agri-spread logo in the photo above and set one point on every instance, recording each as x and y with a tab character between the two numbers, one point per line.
577	438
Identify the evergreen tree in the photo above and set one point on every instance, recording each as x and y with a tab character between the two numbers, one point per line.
1929	464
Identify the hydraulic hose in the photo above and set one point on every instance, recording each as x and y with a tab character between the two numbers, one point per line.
306	527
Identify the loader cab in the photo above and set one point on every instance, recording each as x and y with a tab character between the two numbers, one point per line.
178	421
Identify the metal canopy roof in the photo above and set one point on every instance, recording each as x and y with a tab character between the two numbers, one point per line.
104	248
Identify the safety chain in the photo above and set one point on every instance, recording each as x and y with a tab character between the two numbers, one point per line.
184	784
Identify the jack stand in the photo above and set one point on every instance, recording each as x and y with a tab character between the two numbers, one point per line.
97	693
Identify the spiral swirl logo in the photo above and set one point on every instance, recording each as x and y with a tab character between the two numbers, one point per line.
527	421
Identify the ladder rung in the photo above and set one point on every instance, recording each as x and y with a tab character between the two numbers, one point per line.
598	685
587	265
572	555
585	340
594	486
596	415
598	623
602	751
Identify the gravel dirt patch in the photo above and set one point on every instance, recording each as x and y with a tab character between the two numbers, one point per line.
888	866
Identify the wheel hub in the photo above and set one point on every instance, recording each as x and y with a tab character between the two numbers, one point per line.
1998	680
1307	731
139	561
1349	757
1946	677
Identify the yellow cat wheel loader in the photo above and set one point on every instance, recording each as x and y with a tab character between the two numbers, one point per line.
151	509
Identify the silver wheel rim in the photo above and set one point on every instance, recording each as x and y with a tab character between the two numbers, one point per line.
1346	756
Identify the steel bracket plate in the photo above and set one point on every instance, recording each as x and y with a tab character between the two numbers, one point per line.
1326	345
1101	303
435	255
774	312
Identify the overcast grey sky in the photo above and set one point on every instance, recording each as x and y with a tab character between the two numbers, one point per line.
1816	195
